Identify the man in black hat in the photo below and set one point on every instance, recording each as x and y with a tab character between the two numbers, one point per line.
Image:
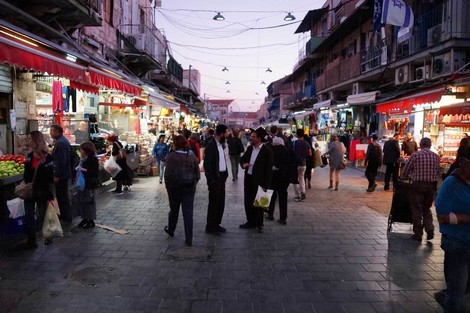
391	161
257	161
215	168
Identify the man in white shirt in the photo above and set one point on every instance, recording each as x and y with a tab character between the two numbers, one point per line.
215	169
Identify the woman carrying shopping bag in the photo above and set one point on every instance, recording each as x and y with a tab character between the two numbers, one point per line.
85	195
124	176
38	170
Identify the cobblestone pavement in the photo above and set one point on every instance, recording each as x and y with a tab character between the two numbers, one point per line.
334	255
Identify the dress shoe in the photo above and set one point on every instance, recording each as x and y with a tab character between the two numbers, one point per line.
82	223
221	229
188	242
259	230
283	222
89	224
430	236
47	242
246	226
302	196
440	297
270	217
211	231
416	237
167	230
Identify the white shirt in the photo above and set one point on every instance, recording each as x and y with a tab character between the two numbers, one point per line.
254	155
222	163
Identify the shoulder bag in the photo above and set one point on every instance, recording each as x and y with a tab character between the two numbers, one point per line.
25	190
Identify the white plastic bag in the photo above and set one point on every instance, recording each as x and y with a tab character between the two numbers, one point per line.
16	207
263	198
112	167
51	227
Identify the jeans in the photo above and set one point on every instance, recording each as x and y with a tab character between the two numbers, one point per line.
34	217
300	187
391	172
235	161
161	169
421	198
456	270
184	197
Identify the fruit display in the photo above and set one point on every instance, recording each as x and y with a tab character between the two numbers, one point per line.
18	158
10	168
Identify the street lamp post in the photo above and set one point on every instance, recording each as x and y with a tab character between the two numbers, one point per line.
189	85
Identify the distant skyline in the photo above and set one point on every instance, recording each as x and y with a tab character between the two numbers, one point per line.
252	38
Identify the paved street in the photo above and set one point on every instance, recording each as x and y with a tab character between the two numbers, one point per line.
334	255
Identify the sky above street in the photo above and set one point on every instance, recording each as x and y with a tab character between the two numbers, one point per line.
252	38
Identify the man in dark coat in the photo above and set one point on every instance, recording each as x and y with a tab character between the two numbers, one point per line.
257	161
373	162
391	161
215	169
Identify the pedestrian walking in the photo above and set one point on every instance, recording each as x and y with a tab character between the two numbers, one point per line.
181	177
235	149
89	166
216	171
335	152
373	162
61	155
257	161
159	152
423	169
38	170
308	163
391	159
280	180
453	214
302	151
124	176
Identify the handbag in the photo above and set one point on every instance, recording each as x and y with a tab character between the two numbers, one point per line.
343	165
25	190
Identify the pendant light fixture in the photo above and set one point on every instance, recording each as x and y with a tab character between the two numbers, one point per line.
263	83
269	70
225	69
227	83
220	17
289	17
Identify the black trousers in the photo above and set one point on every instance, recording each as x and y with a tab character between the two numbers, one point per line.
279	186
35	211
62	194
391	172
371	173
182	197
216	206
254	215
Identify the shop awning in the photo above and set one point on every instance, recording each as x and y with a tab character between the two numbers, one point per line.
301	115
363	98
406	104
84	87
109	79
30	56
323	104
460	109
159	99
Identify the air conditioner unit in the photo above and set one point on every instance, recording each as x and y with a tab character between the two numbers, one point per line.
401	75
445	64
422	73
434	35
137	40
356	89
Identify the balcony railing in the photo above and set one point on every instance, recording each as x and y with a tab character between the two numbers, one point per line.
145	39
375	56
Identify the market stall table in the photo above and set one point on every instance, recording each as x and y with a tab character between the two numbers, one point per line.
7	187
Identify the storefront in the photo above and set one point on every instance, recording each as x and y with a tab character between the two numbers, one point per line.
6	89
454	122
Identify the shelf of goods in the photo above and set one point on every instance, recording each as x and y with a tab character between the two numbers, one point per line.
452	136
145	164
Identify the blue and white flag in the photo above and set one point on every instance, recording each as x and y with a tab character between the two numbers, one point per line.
397	12
377	15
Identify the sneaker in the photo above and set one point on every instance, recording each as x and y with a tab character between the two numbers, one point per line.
167	230
302	196
160	182
297	199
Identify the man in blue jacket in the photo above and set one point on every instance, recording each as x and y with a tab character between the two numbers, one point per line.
62	171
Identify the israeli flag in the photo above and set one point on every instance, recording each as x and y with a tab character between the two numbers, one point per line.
398	13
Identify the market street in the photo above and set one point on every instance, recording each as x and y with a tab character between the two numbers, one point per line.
334	255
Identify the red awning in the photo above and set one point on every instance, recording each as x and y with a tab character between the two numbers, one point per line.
84	87
37	59
101	78
460	109
405	105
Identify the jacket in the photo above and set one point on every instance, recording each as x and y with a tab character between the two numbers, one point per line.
44	177
160	151
235	146
263	166
91	175
211	161
391	152
61	156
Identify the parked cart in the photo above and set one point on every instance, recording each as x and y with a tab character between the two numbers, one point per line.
401	209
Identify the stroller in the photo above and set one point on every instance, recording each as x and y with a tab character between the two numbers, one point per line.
401	210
